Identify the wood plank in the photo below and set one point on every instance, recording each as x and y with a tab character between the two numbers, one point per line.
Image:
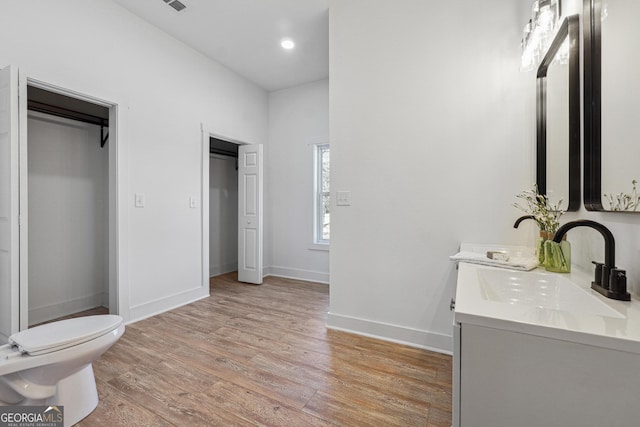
258	408
117	410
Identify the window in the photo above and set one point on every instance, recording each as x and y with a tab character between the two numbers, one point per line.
322	195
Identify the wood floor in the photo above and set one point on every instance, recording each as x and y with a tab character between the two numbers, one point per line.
261	355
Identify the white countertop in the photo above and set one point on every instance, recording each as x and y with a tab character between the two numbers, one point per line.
582	315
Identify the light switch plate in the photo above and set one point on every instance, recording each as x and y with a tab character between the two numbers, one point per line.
343	198
193	202
139	200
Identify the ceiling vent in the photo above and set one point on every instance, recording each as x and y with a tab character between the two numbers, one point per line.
176	4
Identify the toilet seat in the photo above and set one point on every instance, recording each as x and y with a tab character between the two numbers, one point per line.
62	334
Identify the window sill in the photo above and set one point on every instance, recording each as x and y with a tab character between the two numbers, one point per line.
319	247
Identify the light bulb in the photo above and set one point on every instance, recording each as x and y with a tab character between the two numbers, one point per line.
287	44
545	18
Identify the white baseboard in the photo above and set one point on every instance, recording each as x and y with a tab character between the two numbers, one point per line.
64	308
226	268
399	334
161	305
295	273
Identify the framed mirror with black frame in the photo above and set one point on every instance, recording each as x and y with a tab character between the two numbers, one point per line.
611	107
558	118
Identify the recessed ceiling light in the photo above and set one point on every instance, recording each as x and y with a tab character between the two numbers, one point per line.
287	44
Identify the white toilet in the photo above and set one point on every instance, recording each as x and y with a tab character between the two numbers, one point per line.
51	364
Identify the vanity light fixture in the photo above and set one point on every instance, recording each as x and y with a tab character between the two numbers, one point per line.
287	44
538	32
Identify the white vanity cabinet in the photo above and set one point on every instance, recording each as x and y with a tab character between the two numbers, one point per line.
538	349
512	379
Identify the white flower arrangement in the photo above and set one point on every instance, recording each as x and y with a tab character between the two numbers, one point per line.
545	214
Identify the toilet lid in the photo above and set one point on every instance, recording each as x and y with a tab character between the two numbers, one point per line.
64	333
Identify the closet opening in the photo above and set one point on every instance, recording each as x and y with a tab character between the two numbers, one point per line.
70	203
223	207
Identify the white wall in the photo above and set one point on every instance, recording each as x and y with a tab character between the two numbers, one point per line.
164	91
298	119
68	196
223	215
432	131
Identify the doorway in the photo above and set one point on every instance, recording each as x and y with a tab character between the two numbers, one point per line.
223	207
68	248
248	228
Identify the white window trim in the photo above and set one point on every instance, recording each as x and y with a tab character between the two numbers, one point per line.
318	243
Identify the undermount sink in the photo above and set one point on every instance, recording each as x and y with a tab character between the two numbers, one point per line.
540	290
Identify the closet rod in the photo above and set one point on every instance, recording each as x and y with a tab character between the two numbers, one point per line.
65	113
223	152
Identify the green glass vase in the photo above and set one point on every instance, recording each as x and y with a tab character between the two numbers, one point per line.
544	236
557	256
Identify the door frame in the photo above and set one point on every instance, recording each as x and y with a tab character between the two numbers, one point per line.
117	222
9	209
207	133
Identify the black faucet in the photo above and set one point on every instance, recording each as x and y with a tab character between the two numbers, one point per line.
522	218
608	280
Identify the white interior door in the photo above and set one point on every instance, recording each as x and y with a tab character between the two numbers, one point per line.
250	214
9	204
